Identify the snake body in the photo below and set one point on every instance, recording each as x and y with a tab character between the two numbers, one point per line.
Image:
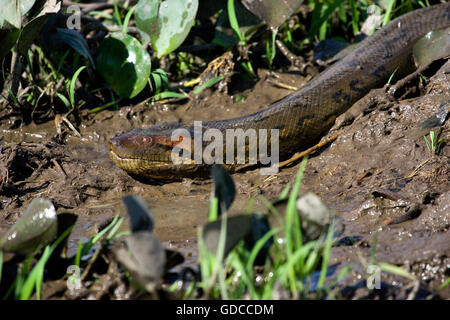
301	117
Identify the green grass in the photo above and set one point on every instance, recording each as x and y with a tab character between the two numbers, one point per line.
30	277
290	263
444	284
384	266
208	84
271	48
27	281
435	142
246	65
112	227
392	76
351	14
72	85
234	22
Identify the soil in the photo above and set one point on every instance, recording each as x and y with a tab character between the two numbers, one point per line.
378	170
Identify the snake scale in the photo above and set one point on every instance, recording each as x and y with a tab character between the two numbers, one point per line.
301	117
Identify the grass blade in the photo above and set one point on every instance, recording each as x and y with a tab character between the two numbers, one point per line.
390	268
127	19
233	21
258	246
208	84
388	14
167	95
36	275
72	86
326	257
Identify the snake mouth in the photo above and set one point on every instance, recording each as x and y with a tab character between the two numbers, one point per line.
117	157
131	163
114	148
142	167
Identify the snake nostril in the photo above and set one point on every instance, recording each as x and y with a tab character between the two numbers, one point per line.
113	142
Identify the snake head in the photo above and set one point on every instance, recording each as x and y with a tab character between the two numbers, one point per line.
149	153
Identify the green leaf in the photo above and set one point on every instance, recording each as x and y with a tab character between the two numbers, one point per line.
208	84
36	227
158	80
273	12
127	19
392	76
11	13
167	95
388	14
74	39
139	213
444	284
72	85
33	28
167	23
326	258
233	21
36	275
321	14
7	39
124	64
64	100
224	188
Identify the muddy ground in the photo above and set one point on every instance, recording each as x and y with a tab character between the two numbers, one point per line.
376	171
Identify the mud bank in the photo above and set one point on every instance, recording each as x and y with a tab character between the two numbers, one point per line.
375	173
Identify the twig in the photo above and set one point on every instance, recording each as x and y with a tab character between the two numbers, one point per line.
55	162
299	155
412	295
282	85
417	168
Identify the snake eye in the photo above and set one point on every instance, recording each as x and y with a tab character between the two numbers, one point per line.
130	141
145	139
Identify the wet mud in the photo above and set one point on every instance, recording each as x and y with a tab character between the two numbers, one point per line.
379	176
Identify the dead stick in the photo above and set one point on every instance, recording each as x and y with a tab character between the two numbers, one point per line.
299	155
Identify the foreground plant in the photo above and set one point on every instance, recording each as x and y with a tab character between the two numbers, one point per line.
246	256
435	143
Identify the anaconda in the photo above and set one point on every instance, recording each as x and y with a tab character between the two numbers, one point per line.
301	117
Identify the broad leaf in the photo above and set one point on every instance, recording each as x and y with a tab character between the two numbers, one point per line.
37	227
224	189
167	23
238	227
124	64
273	12
139	213
435	45
74	39
10	13
144	257
7	39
